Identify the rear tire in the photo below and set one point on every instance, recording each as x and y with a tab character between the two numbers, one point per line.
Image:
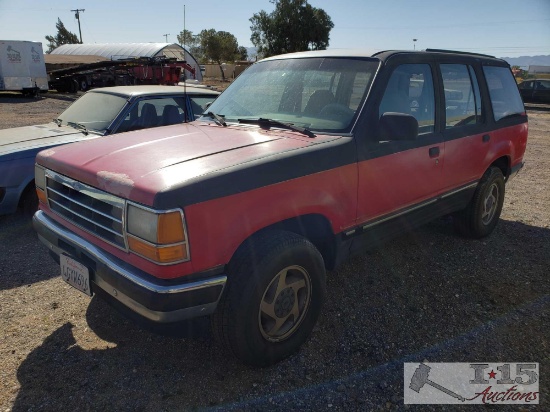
481	215
274	294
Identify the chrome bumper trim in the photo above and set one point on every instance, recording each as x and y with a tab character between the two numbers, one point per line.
42	222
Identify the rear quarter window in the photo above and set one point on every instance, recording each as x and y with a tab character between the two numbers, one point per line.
503	90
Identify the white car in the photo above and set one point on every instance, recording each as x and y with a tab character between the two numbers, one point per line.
98	112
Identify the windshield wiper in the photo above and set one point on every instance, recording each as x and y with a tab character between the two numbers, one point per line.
79	126
277	123
217	118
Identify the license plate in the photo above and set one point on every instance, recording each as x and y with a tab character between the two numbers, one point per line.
75	274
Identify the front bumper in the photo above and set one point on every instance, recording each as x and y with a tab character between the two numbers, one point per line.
156	300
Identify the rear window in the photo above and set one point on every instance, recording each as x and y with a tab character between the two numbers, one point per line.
503	90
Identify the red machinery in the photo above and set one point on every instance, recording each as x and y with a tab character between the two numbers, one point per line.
142	70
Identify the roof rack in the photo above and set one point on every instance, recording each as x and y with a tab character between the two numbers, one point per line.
459	52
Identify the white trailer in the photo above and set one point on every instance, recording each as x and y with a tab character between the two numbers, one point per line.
22	67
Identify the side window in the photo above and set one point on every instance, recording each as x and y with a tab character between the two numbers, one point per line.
148	113
410	90
527	85
462	97
503	90
543	85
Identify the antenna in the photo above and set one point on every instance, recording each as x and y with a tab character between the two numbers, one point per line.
185	120
77	16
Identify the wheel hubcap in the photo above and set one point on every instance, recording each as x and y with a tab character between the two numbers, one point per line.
490	204
284	303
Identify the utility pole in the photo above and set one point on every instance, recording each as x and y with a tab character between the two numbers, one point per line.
77	16
166	36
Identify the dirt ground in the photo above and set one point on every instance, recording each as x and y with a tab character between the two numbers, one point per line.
428	295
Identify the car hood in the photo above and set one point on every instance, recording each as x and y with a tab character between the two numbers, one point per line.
139	165
25	141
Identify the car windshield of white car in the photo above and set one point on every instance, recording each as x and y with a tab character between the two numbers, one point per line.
95	111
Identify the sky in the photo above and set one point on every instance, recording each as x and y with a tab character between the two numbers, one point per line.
501	28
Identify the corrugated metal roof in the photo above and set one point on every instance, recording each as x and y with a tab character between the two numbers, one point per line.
114	51
118	51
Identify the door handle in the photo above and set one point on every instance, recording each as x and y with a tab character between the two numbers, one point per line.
434	151
486	138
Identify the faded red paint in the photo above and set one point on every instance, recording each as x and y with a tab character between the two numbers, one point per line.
217	227
152	162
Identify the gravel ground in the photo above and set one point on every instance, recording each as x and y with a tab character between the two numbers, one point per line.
428	295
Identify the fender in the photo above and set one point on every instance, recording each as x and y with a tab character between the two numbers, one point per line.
509	142
217	227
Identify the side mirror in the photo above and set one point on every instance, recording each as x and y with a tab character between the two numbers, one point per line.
398	126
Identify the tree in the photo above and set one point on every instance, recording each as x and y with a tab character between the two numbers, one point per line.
192	44
219	46
243	53
293	26
186	38
63	36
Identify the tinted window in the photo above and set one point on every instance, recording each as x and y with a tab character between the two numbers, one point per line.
505	98
410	91
462	97
526	85
543	85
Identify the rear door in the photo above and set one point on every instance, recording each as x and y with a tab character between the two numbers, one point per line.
466	133
526	90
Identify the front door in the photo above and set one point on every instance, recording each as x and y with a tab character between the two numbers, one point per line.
401	176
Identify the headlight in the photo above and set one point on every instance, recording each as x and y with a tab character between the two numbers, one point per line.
159	236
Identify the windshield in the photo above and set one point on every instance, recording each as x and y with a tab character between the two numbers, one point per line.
95	111
320	94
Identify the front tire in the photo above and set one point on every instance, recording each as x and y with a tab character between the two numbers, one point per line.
274	294
481	215
29	201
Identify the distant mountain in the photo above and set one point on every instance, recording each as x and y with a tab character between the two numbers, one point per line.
525	61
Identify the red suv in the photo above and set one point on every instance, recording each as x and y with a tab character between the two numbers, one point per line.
305	159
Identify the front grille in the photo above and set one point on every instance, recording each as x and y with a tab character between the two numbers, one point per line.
93	210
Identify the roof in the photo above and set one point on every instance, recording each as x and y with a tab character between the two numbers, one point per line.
325	53
72	59
114	51
153	89
382	55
